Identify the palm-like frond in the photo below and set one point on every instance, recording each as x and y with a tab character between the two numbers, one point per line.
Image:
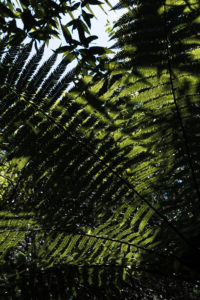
158	100
61	173
103	179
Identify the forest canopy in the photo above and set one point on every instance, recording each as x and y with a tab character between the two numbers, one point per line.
100	179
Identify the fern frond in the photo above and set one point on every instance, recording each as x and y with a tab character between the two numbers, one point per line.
105	176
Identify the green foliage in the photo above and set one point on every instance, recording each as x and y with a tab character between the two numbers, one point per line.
42	20
100	180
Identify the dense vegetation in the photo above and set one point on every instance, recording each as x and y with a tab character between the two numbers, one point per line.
100	178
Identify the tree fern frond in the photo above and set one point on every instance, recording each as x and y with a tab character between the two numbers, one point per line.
18	64
29	69
38	78
3	46
108	171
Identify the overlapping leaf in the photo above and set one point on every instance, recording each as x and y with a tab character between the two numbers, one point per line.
107	171
64	169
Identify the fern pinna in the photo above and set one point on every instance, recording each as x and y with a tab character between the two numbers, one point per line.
100	179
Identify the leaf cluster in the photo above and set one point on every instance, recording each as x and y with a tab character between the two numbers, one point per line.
101	179
42	20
